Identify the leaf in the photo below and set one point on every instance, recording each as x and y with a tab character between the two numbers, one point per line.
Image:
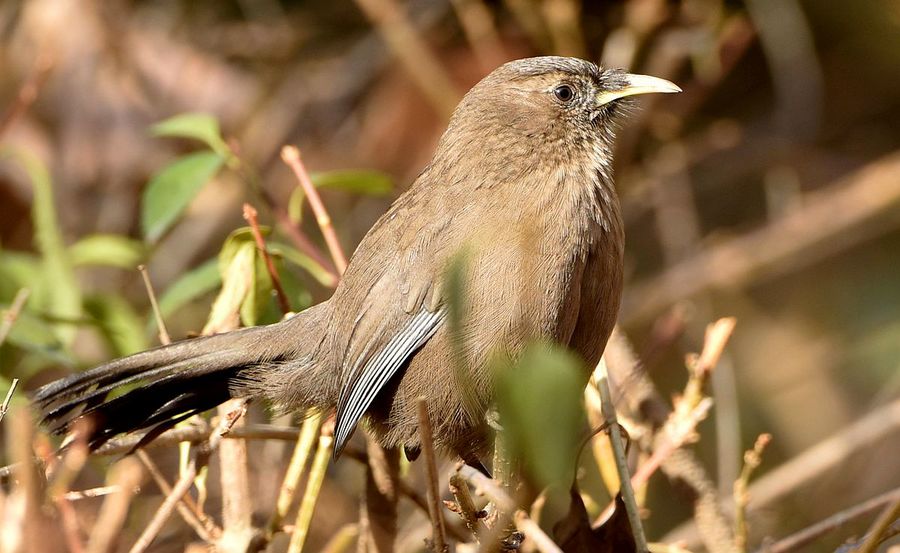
107	250
117	321
171	190
303	261
541	411
190	286
356	181
18	270
241	244
62	296
198	126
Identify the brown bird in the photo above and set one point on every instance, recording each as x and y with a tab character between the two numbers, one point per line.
522	183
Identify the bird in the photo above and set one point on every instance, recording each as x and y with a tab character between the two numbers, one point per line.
520	188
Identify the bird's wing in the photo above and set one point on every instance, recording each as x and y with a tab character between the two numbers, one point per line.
370	375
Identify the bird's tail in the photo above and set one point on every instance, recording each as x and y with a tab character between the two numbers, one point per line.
158	388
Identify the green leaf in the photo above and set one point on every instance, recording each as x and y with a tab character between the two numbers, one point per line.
172	189
540	403
190	286
303	261
117	321
198	126
109	250
18	270
63	297
356	181
241	244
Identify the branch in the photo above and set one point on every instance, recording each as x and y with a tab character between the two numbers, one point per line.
438	533
250	216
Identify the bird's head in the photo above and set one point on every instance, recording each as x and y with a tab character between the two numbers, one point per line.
549	105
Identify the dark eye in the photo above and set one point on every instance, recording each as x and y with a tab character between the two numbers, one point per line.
564	93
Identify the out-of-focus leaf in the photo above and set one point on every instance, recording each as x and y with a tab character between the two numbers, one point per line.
303	261
199	126
356	181
63	297
18	270
237	269
241	243
190	286
541	412
33	334
107	249
295	205
171	190
117	321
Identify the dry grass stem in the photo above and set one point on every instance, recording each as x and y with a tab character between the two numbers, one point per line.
880	528
126	475
4	408
164	337
752	460
466	507
250	215
300	456
311	494
10	315
435	513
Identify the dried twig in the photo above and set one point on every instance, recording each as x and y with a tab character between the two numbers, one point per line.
126	475
28	93
9	395
250	215
466	507
752	459
879	529
164	337
291	156
438	532
11	314
302	450
313	486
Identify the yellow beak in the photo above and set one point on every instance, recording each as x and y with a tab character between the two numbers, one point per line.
637	84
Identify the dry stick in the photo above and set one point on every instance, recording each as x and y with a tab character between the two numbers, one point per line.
195	434
313	486
66	472
250	215
187	508
876	534
601	380
752	459
291	156
9	394
126	474
164	337
199	459
466	507
438	532
90	493
305	441
413	52
812	533
11	314
489	488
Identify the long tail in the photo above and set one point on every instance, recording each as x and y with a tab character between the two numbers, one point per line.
160	387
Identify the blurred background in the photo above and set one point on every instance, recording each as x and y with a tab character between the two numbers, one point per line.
768	191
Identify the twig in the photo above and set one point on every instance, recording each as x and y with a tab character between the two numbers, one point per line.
28	92
413	52
533	532
195	434
752	459
91	493
187	507
302	450
313	486
835	521
601	380
250	215
470	515
11	314
342	539
164	337
9	394
291	156
200	458
876	534
237	506
126	475
438	533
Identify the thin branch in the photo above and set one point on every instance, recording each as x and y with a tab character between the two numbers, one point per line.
4	408
250	215
313	486
302	450
200	459
752	460
601	380
464	505
880	528
291	156
126	475
438	532
164	337
812	533
11	314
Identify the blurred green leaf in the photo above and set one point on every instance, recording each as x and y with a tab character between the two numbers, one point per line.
198	126
356	181
33	334
295	205
171	190
18	270
540	402
303	261
63	297
190	286
110	250
120	325
259	294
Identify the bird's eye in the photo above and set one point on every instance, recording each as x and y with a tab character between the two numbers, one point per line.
564	93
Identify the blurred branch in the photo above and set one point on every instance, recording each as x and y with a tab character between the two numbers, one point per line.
10	315
305	441
413	52
313	486
481	33
563	18
126	475
28	93
812	533
752	460
438	533
880	530
848	212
